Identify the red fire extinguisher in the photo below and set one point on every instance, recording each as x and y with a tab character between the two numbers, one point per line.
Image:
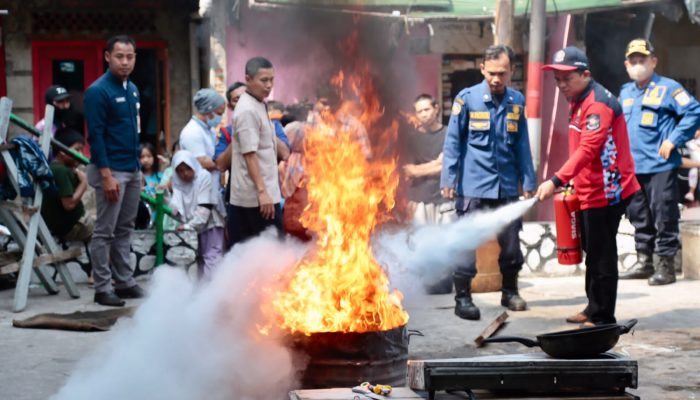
567	217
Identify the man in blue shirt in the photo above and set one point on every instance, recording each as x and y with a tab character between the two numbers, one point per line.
661	117
112	109
486	157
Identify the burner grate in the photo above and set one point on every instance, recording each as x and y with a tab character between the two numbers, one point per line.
611	373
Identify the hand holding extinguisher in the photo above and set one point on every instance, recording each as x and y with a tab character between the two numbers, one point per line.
567	218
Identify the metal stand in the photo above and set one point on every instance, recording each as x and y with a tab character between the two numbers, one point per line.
28	236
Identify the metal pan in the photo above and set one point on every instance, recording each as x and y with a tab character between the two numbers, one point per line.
575	343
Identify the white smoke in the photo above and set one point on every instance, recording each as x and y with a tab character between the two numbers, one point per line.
425	254
190	342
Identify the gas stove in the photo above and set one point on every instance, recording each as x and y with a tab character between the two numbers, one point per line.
531	373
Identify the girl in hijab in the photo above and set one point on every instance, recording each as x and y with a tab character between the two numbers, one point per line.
197	205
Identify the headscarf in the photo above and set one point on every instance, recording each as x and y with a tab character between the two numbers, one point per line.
188	195
207	100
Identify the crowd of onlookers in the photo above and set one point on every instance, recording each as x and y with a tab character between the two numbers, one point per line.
237	166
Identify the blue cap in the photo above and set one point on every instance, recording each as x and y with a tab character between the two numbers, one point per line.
568	59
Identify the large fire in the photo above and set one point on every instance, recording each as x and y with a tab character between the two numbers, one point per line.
339	287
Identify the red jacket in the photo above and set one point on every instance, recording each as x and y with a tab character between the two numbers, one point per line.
600	163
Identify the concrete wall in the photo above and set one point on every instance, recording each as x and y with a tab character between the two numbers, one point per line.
678	47
171	26
18	57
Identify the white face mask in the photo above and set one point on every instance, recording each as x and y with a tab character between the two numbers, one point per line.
639	72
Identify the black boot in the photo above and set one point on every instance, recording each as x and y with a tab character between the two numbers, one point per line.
642	269
509	293
665	272
464	308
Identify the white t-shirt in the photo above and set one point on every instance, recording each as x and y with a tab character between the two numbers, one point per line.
253	132
198	139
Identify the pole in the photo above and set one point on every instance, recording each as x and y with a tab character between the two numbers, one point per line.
534	78
160	208
504	23
24	125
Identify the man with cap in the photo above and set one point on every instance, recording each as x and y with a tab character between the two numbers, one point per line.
58	97
601	169
661	117
486	158
199	138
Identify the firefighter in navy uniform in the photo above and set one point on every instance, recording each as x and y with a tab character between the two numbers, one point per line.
661	117
601	167
486	157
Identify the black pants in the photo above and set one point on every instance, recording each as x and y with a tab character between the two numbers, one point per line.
654	213
510	259
244	223
599	233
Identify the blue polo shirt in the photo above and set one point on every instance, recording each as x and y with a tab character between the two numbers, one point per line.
111	111
487	150
661	110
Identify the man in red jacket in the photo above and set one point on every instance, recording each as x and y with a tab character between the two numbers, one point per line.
601	168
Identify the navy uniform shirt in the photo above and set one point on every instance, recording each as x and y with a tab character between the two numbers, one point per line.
662	110
487	150
111	111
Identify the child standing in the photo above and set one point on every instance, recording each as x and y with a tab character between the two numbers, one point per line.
149	168
200	209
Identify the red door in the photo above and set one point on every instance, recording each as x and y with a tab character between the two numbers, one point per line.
73	65
76	64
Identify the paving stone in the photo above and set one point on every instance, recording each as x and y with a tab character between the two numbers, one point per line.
147	262
531	233
547	248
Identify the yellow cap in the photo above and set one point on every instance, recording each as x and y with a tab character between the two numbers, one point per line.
639	46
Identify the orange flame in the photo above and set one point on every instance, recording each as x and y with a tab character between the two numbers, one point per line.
340	287
411	119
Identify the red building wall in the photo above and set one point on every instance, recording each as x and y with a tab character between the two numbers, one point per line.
306	50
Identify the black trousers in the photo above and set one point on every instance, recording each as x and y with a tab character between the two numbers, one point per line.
599	241
244	223
654	213
510	259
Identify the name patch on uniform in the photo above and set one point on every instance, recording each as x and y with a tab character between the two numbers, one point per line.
120	99
513	116
627	102
655	96
479	124
648	119
681	97
479	115
593	122
512	126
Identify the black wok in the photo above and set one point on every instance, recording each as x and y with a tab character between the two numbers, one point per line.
575	343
